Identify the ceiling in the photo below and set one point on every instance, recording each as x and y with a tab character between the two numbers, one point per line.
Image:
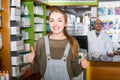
78	10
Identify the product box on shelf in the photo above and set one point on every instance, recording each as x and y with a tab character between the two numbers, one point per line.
38	10
25	35
17	45
39	27
16	3
16	60
38	20
25	57
15	14
16	71
14	30
27	47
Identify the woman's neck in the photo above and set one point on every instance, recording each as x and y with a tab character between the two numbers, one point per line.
57	37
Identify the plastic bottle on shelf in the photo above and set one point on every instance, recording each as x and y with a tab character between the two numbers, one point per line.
22	9
6	75
3	75
26	12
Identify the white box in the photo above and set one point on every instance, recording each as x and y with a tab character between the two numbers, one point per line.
17	45
16	60
15	14
27	46
25	57
15	3
14	30
15	71
39	27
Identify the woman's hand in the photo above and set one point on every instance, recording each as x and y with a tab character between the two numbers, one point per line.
84	62
30	57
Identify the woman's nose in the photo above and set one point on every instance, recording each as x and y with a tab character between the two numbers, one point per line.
55	23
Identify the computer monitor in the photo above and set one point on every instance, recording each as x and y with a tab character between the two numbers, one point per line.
82	40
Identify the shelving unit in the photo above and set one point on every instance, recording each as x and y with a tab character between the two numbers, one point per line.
16	44
39	21
22	36
27	30
28	24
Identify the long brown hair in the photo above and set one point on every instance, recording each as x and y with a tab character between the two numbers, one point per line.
71	40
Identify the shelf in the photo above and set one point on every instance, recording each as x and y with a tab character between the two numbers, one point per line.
38	15
38	23
19	35
15	37
38	31
23	15
16	53
15	7
26	39
25	27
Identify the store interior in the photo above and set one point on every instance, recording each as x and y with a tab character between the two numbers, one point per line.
23	22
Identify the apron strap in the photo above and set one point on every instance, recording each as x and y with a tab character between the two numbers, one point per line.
66	52
47	49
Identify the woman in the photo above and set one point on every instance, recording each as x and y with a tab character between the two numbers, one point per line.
56	55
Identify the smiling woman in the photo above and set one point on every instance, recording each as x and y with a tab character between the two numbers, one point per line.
57	52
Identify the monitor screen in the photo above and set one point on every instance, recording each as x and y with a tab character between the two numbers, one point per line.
82	40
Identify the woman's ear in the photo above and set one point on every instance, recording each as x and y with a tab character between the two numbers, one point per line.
65	24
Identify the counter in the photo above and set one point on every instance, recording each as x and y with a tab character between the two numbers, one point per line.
103	70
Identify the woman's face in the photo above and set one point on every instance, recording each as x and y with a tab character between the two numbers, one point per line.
57	23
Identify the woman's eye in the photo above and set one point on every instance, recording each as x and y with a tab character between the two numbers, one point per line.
50	21
60	20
